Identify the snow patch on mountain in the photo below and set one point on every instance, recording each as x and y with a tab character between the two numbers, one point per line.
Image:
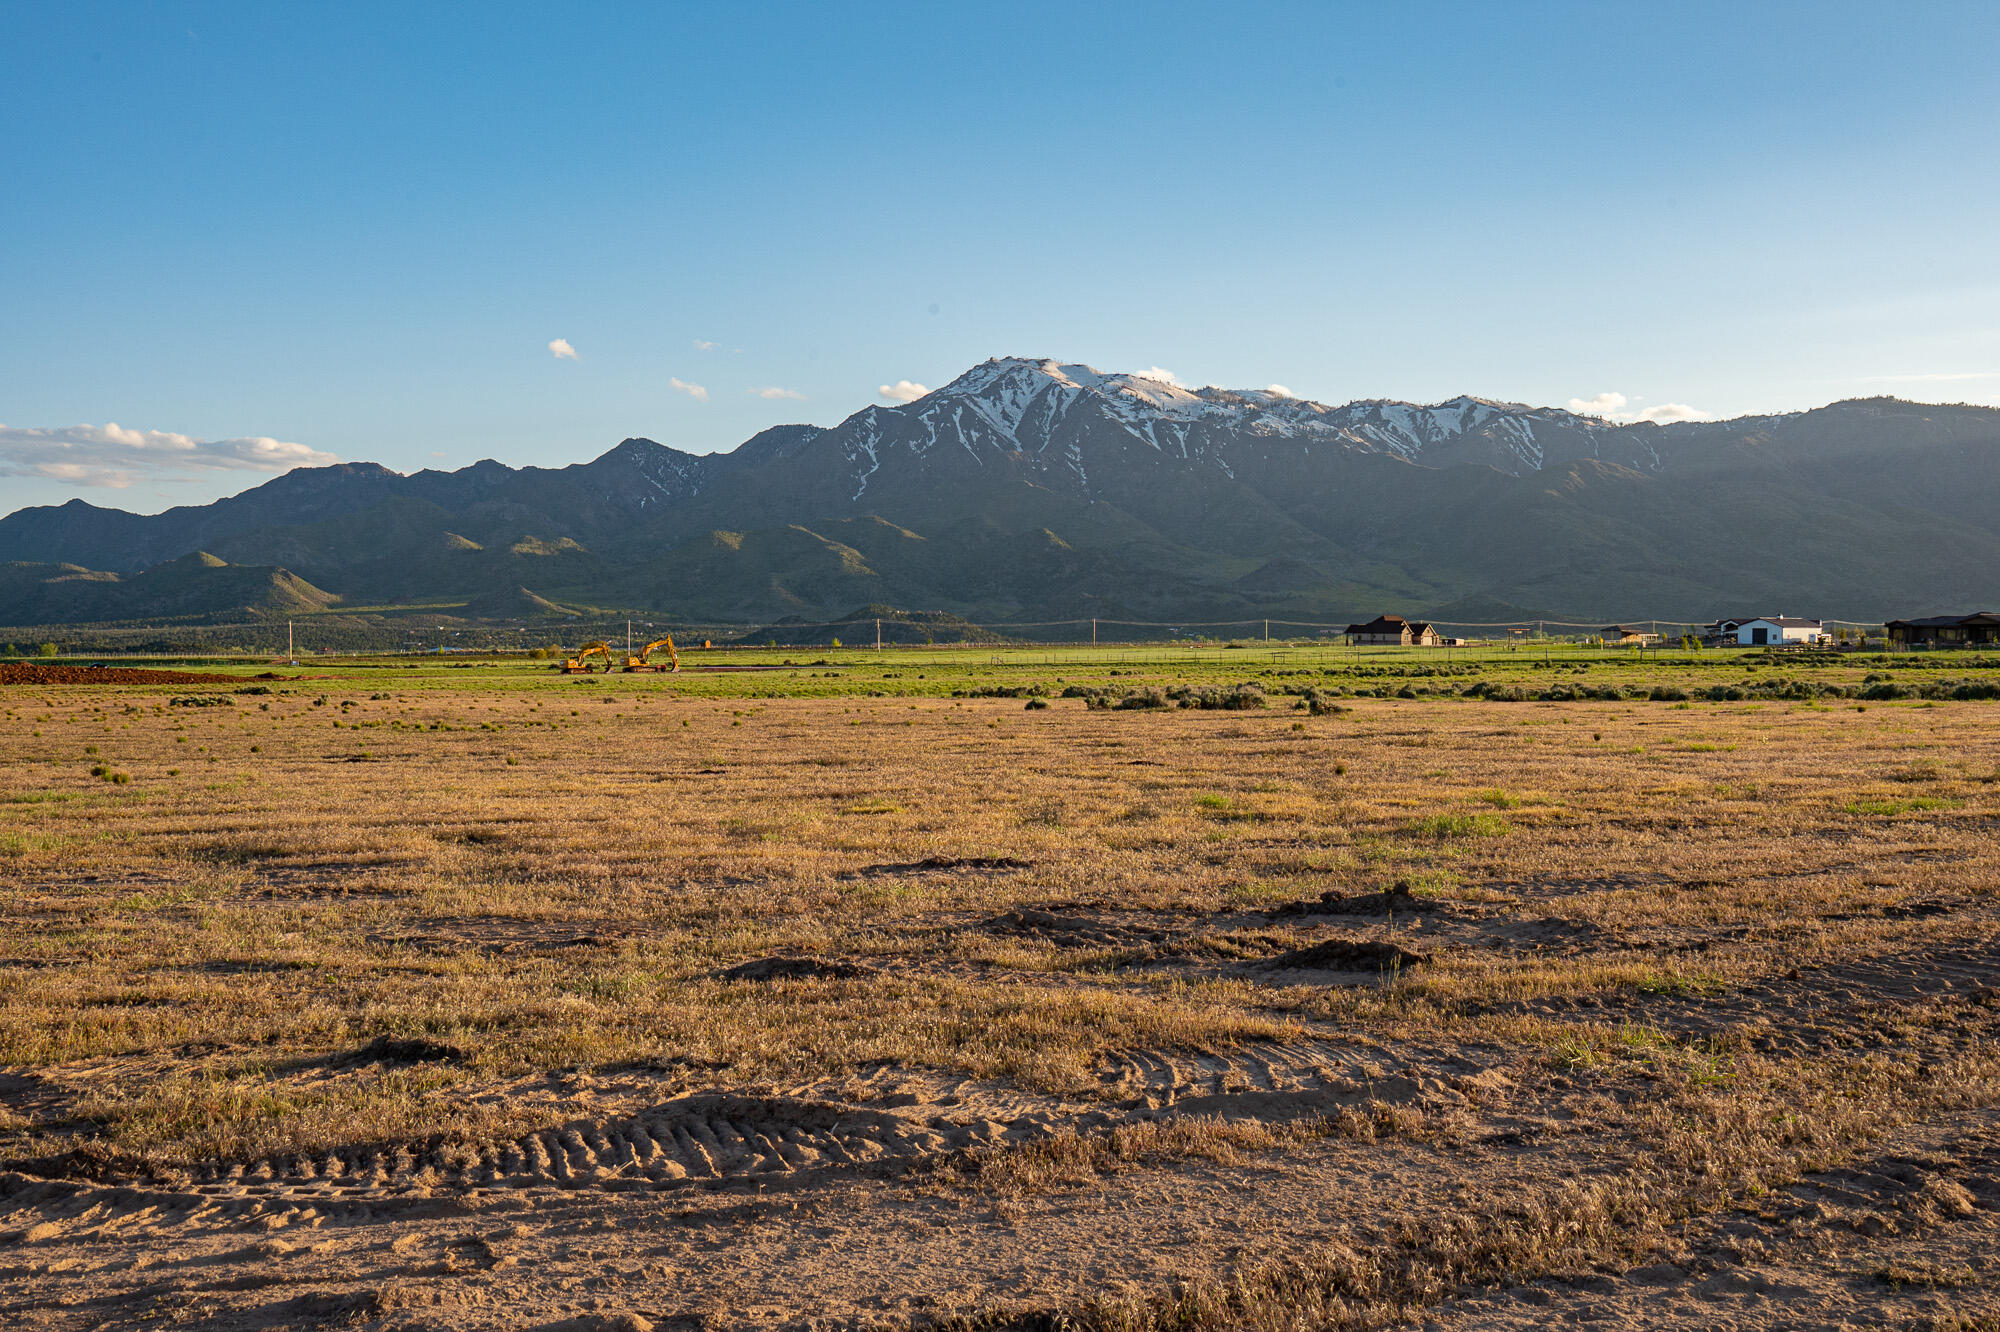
1058	415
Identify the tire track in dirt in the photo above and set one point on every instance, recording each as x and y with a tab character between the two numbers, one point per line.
1250	1076
705	1137
1809	1010
714	1138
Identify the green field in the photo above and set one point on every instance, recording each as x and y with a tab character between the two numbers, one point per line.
1538	672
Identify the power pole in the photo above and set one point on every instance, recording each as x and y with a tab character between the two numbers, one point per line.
878	634
628	638
1267	631
1093	631
289	652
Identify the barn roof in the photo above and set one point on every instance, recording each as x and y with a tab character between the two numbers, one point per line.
1949	621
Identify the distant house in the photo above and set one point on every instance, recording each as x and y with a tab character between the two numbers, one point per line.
1619	633
1766	631
1394	629
1979	629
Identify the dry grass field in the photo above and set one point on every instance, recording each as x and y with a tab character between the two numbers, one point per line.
499	1001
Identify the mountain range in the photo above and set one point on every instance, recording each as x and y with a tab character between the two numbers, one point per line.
1031	489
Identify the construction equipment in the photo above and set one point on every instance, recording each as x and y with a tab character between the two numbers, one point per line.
580	663
641	662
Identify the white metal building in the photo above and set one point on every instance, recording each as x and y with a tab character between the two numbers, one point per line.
1775	629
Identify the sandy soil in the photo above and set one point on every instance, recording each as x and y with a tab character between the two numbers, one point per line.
1797	1124
845	1204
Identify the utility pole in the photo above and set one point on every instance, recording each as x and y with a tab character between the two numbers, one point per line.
878	634
1267	631
628	638
290	654
1093	631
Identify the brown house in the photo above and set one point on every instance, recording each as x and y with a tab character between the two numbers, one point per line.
1619	633
1979	629
1394	629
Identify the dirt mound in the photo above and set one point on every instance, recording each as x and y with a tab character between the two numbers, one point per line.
938	864
1062	931
407	1050
1347	955
1397	900
25	673
793	968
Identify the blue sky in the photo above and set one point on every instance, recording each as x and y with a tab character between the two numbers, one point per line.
252	235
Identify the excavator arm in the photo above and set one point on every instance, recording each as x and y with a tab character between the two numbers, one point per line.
643	662
580	663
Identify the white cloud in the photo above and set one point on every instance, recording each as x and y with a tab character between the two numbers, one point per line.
1611	407
1674	411
1279	390
110	455
561	350
695	391
778	393
703	345
1163	376
1607	405
903	390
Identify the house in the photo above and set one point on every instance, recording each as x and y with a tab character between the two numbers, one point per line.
1619	633
1979	629
1394	629
1766	631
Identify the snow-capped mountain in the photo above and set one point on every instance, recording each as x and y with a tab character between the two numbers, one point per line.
1042	487
1057	417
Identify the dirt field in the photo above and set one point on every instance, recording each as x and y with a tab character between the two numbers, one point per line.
542	1004
28	673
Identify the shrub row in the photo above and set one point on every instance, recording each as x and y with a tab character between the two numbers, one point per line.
1321	701
1229	698
1773	690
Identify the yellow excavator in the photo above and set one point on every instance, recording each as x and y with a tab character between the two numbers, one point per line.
580	663
642	662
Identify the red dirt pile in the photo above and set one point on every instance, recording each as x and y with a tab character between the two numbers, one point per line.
25	673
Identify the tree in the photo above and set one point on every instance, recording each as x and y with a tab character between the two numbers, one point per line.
47	650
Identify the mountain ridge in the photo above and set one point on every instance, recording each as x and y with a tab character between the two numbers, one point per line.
1158	499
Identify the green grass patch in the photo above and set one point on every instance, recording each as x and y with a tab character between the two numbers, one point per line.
874	807
1889	808
1446	827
